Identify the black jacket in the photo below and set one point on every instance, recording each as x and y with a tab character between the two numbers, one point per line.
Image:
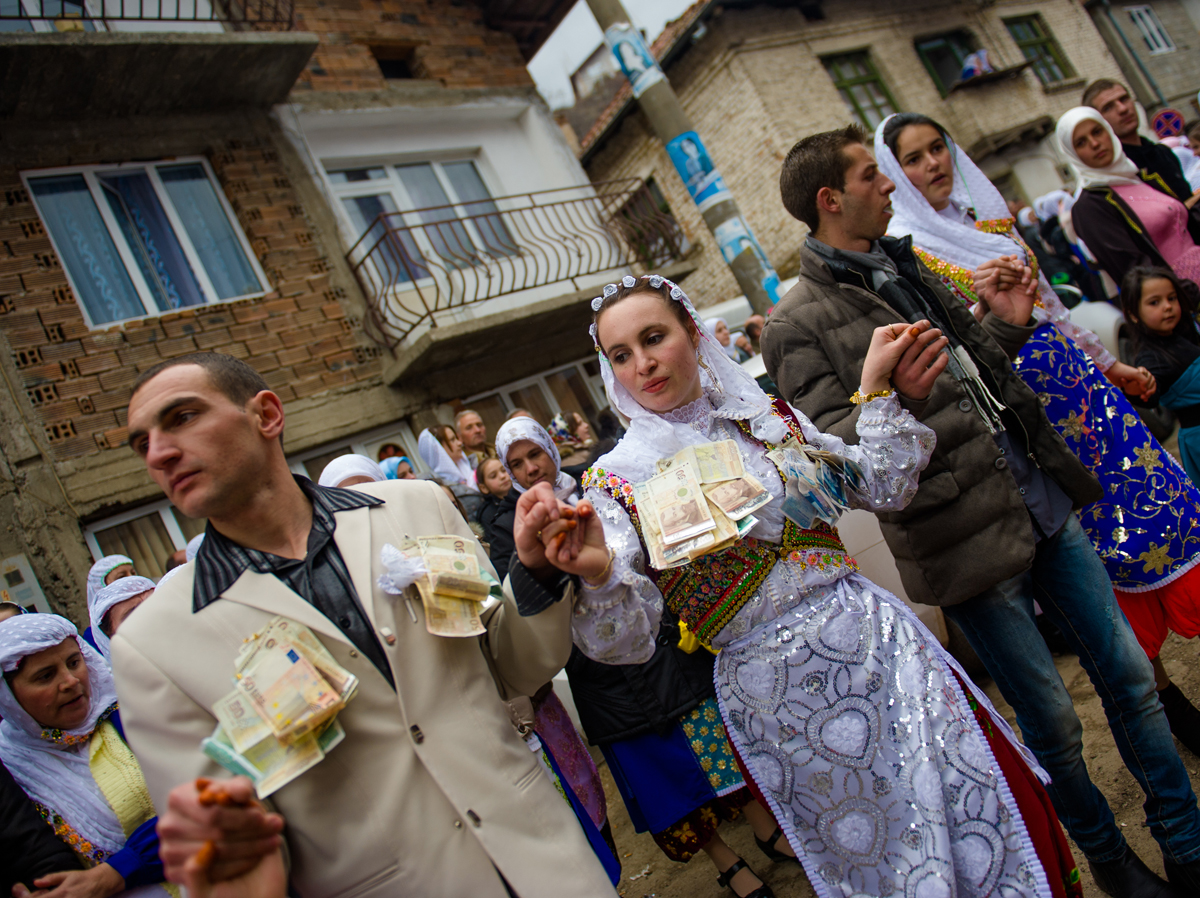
497	517
1159	167
28	846
1115	235
620	701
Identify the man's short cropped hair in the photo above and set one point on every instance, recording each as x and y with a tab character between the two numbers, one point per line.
466	411
234	378
816	161
1097	87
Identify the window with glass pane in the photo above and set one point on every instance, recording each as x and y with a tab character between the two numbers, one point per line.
572	394
145	239
441	225
144	540
13	16
1152	30
481	210
944	56
400	254
861	87
1038	45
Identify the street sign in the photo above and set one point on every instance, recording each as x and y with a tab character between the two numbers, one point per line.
1168	122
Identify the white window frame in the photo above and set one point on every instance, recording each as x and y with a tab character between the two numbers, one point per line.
595	387
359	443
1153	33
43	26
132	269
392	184
163	508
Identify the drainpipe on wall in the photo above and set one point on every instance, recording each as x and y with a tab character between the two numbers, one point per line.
1162	101
671	124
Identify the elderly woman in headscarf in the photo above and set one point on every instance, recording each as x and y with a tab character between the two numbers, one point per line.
349	470
62	741
109	607
1124	219
442	451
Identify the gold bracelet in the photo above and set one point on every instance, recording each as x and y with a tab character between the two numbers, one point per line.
606	573
858	398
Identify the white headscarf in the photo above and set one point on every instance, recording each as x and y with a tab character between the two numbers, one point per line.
346	466
439	461
523	428
52	765
731	350
100	570
733	393
946	238
117	591
1120	171
1047	205
193	547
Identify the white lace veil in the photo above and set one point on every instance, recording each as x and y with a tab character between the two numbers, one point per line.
732	392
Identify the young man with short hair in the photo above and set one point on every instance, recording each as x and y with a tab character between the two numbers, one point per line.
992	527
432	792
1158	165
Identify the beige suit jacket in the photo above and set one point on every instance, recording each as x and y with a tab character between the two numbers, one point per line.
432	791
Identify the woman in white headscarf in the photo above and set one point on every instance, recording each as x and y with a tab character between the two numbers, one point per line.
516	441
347	470
729	342
442	450
107	570
958	222
1123	219
853	722
111	605
61	739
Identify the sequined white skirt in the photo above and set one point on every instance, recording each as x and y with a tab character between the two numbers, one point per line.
853	726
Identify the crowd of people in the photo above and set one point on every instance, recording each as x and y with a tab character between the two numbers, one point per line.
926	360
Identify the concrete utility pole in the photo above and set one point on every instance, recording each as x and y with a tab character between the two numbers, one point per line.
657	100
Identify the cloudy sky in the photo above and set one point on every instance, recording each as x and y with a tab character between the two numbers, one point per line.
579	35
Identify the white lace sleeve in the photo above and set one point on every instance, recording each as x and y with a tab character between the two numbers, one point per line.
617	623
892	451
1052	309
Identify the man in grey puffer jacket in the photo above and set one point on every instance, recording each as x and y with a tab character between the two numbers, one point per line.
992	526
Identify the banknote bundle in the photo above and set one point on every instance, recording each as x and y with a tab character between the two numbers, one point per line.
281	717
818	484
454	588
701	501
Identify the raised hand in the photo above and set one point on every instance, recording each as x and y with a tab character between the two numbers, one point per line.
908	356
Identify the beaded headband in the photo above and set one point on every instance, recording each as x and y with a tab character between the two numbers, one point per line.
656	281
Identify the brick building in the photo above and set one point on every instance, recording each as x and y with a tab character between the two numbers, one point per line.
755	77
352	196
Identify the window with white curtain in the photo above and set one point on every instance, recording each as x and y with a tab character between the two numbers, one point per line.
1152	31
141	240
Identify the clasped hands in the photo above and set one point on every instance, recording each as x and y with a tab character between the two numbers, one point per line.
549	533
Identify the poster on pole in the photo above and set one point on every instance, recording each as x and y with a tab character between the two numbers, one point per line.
735	237
633	56
695	167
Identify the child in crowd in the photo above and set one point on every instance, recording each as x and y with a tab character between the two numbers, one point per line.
1162	307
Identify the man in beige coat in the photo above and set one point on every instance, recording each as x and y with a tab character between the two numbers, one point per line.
432	793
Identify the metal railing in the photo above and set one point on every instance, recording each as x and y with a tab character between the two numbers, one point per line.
88	15
471	252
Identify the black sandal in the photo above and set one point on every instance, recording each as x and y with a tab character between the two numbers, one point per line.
767	847
724	880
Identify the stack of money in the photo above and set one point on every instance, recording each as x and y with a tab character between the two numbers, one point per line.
818	484
702	501
455	588
281	717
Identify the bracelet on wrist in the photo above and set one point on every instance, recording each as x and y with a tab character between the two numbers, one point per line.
605	575
859	397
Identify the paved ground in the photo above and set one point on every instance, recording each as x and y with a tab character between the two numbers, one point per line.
648	874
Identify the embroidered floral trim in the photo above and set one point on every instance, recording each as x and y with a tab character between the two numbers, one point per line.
58	737
995	225
709	592
71	836
962	278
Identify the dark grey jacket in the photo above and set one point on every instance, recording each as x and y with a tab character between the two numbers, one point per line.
967	529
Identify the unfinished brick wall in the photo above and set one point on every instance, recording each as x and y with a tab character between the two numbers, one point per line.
298	336
449	42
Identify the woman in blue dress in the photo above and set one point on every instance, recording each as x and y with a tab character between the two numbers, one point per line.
1147	528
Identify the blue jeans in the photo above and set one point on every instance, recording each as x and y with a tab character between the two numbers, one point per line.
1069	582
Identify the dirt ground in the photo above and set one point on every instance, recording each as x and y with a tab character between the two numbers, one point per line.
646	872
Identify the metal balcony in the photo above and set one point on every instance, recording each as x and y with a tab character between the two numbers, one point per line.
545	244
96	15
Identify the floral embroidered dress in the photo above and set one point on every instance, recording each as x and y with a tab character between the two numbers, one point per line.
850	718
1146	529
